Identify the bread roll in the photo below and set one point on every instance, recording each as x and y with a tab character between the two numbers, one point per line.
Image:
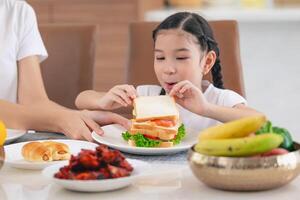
36	151
46	151
60	151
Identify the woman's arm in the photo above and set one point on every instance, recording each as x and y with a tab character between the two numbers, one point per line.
28	113
36	111
30	83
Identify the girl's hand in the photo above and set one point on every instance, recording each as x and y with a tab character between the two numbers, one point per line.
190	97
118	96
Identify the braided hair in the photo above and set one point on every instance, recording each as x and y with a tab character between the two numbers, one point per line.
199	27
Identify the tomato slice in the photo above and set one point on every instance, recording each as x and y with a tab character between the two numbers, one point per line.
163	122
275	152
151	137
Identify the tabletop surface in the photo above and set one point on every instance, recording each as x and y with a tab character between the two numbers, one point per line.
179	183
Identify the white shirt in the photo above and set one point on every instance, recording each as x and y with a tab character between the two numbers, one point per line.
222	97
19	38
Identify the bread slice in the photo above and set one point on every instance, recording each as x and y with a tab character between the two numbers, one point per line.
163	144
148	108
151	129
154	133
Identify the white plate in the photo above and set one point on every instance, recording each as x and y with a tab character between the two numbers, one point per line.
14	158
96	185
113	138
13	134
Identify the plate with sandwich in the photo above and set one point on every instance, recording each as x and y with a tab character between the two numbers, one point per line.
37	155
156	129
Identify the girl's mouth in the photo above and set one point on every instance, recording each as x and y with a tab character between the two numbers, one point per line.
169	85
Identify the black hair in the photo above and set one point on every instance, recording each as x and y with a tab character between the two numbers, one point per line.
198	27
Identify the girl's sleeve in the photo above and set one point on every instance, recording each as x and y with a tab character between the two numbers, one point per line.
231	98
30	42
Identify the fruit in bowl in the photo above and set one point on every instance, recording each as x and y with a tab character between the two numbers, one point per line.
3	135
245	155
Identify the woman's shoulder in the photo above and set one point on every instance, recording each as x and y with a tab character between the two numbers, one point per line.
19	11
148	90
18	5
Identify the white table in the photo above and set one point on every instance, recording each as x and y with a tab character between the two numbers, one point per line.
180	183
30	185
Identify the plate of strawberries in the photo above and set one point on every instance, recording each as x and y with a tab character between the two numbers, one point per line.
98	170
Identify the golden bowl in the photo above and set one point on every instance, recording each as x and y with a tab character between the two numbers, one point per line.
245	173
2	156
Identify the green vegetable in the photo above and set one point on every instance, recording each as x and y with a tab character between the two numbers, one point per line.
180	135
141	141
287	138
288	141
126	135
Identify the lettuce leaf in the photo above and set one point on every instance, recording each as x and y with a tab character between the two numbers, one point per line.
141	141
180	135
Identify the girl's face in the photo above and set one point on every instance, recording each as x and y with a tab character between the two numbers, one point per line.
178	57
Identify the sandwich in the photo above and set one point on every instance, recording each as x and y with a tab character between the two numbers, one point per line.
156	123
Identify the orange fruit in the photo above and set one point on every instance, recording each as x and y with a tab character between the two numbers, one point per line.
3	133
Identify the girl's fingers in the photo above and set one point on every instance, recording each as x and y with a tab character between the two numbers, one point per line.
176	88
119	100
179	100
130	90
185	88
120	93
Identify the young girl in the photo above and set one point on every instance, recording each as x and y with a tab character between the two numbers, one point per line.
184	51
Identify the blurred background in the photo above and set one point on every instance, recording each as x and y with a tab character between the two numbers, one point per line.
269	43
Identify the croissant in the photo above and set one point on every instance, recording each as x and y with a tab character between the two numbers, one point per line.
60	151
36	151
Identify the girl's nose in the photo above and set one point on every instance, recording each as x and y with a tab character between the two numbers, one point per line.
169	69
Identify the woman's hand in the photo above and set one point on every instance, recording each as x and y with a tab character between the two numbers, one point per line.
190	97
118	96
79	124
103	118
76	125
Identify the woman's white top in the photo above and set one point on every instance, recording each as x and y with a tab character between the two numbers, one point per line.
19	38
222	97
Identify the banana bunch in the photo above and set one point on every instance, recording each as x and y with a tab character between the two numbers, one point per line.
235	139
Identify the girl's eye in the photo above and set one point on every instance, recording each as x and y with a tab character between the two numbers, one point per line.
182	58
160	58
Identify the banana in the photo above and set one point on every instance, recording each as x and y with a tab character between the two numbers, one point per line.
237	147
234	129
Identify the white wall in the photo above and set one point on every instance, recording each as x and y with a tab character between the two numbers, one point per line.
270	54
